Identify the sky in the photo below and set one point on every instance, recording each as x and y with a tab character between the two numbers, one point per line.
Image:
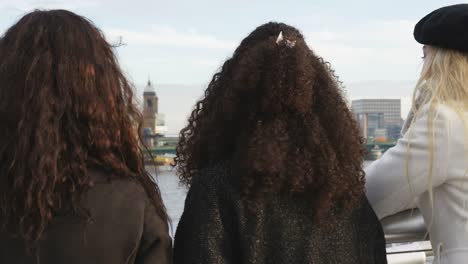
179	45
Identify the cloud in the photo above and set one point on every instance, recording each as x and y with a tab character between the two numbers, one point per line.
167	36
28	5
371	50
375	40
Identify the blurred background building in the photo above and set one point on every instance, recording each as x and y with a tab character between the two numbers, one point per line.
154	124
379	119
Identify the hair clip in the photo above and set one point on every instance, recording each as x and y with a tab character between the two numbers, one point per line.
280	38
289	43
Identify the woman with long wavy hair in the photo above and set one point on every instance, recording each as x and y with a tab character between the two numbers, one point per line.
428	167
73	186
273	160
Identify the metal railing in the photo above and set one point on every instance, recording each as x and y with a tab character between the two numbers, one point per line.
402	229
407	226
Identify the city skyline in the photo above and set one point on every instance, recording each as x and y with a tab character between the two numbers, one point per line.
181	44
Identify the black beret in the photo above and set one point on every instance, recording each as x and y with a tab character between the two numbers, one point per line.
446	27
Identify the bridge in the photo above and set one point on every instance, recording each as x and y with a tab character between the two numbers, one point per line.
164	150
168	146
374	150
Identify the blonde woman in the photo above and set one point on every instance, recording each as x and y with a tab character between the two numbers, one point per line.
428	166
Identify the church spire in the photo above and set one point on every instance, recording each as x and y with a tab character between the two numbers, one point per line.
149	80
149	86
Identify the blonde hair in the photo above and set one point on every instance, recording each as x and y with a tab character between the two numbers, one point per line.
443	80
445	77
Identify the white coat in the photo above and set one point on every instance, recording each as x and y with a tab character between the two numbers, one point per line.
391	190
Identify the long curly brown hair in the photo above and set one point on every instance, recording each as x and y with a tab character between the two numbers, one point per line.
276	110
65	107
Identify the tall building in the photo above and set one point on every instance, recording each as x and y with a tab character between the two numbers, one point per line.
150	112
378	117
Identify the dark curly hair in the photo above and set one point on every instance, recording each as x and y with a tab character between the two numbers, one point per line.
276	110
65	107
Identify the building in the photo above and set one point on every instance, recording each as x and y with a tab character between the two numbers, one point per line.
154	124
150	112
161	128
378	117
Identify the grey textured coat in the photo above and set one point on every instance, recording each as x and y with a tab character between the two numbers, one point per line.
125	228
215	228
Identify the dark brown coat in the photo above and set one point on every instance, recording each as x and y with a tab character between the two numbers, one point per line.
124	228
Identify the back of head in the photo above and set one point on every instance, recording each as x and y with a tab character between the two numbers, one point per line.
276	110
445	77
65	106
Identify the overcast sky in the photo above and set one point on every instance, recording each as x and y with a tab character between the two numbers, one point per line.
180	44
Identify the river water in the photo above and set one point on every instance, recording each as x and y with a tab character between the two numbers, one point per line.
172	192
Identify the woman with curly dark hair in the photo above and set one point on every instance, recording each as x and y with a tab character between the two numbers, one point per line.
273	160
73	187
